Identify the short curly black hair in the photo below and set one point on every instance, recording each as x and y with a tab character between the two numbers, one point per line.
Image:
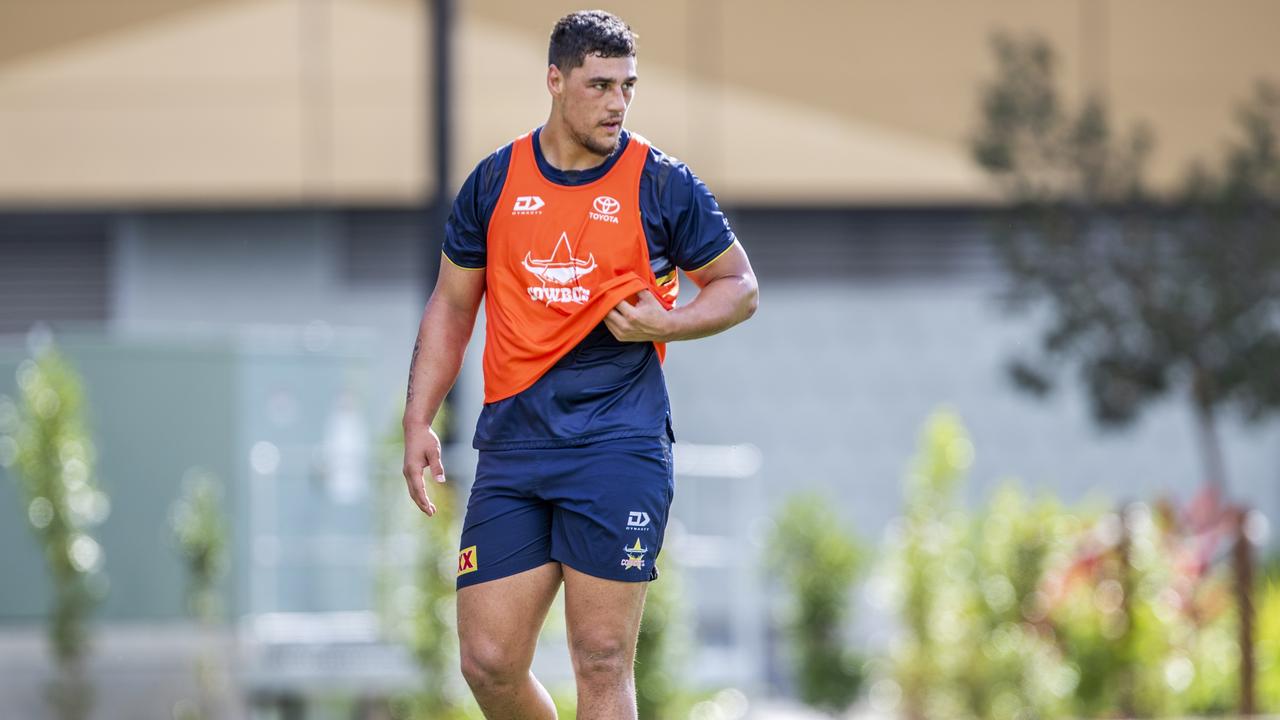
589	32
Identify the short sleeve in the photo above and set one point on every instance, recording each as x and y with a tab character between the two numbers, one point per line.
696	228
468	224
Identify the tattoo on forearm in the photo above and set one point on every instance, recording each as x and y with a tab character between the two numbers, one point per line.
417	345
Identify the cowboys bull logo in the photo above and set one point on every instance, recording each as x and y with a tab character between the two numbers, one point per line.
635	556
561	269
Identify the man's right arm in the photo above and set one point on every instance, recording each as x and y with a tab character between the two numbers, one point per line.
444	332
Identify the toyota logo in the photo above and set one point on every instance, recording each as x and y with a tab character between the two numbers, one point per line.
607	205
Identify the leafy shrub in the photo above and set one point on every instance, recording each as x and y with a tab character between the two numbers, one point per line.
200	531
819	560
967	590
1029	609
45	442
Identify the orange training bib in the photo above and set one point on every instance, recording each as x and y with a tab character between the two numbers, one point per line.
560	258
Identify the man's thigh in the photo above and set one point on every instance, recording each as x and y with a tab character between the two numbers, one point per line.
499	620
506	578
602	617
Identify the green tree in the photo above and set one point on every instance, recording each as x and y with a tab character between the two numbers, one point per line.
1144	296
43	438
929	565
818	560
200	533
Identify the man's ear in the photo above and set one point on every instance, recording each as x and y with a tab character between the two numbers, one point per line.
555	80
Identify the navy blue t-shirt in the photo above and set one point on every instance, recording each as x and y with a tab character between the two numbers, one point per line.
603	389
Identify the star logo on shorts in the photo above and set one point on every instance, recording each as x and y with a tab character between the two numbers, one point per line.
635	556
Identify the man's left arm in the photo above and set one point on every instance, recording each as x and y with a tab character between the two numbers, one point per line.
728	295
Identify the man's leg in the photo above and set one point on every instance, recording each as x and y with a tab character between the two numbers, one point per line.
603	618
498	625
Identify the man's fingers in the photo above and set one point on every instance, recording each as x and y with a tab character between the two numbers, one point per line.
624	309
413	477
437	468
616	323
418	490
426	505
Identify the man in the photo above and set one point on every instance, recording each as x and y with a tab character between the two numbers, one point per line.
572	235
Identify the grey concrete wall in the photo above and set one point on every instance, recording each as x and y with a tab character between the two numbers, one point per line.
185	273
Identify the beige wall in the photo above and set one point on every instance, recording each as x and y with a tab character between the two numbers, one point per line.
825	101
212	101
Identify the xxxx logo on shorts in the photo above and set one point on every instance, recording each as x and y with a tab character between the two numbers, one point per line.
467	561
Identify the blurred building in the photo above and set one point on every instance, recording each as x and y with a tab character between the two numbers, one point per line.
224	207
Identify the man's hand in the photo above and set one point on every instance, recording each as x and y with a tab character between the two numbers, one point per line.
421	452
645	321
437	356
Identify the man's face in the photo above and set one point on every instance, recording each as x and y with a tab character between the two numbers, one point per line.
593	100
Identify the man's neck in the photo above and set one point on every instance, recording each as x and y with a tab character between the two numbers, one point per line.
562	152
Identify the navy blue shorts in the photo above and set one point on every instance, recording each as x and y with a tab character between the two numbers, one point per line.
601	509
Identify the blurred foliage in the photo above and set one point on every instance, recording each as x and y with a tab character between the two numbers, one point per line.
1144	295
1268	614
1028	609
926	557
43	439
566	703
416	581
1146	617
818	561
964	587
200	531
658	654
1271	565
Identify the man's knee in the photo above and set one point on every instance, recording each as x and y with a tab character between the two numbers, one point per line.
602	659
487	664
